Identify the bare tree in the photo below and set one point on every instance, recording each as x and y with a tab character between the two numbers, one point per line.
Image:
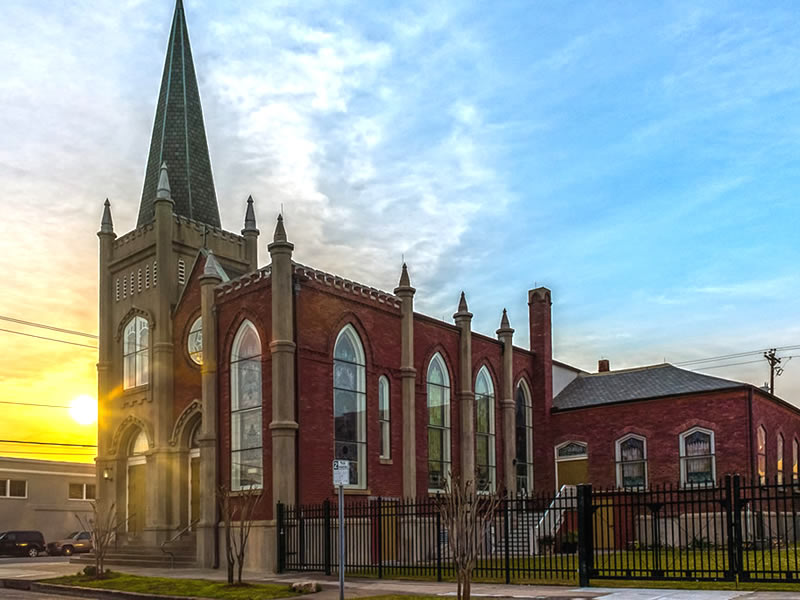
237	515
103	526
466	516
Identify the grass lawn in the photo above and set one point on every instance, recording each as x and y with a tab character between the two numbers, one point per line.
202	588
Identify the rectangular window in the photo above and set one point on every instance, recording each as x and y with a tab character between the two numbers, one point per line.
13	488
384	418
81	491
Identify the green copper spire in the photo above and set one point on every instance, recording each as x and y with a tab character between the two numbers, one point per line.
179	137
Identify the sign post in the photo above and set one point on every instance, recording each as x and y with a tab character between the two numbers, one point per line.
341	478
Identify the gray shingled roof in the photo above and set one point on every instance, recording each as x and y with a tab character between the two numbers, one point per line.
179	137
592	389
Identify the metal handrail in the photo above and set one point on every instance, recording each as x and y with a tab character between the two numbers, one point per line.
175	538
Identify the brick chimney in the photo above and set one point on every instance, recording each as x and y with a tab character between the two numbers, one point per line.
603	366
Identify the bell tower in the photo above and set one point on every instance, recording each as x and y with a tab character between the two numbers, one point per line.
142	275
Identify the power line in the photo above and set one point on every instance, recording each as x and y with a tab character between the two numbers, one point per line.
40	337
736	355
747	362
47	443
50	327
32	404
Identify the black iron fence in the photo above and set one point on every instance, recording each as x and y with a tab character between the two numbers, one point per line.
726	532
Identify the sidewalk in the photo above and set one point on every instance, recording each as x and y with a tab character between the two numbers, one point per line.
358	588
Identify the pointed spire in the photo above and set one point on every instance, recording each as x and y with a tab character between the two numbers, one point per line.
504	324
164	192
462	303
405	280
280	232
106	224
212	268
179	136
250	217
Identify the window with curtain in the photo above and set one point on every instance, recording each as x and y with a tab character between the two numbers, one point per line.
779	459
384	418
697	457
632	462
136	353
350	405
247	470
761	454
438	424
485	459
523	423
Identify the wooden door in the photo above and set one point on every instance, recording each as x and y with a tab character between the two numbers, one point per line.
137	500
194	491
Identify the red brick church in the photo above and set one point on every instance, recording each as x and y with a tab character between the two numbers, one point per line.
214	370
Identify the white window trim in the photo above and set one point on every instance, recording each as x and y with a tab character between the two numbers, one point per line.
618	446
361	383
7	484
577	456
491	434
137	353
447	437
383	383
234	389
682	440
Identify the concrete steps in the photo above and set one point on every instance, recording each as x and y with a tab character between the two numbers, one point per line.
179	554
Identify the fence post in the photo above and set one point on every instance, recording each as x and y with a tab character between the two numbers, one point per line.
281	530
506	533
380	538
438	544
730	518
585	534
326	517
737	527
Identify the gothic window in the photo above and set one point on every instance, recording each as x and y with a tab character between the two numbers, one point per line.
795	458
761	454
195	341
139	445
524	438
571	450
779	459
350	405
246	427
485	455
136	353
632	462
698	461
384	417
438	424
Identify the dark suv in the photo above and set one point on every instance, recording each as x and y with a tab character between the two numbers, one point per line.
21	543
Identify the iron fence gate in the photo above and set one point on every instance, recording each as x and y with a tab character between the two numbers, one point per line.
725	532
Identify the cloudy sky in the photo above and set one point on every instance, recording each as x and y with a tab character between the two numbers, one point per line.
639	160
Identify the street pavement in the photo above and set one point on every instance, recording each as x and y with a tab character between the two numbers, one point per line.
45	567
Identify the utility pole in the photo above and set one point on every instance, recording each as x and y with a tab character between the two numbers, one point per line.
774	369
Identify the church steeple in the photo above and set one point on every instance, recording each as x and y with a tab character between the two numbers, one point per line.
179	137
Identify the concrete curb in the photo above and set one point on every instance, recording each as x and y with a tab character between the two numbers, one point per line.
71	590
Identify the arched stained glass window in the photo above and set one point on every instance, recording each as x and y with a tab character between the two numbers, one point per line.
485	454
384	417
523	422
761	454
779	459
438	424
698	465
350	405
136	353
632	462
247	469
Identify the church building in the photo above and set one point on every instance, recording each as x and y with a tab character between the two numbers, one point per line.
217	371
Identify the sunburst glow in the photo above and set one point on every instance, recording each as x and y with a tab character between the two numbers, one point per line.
83	410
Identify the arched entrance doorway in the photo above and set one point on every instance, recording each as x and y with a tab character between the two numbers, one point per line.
194	477
137	482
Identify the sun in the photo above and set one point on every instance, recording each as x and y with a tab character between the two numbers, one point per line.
83	410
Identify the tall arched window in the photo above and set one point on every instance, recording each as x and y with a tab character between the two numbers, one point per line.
761	454
438	424
632	462
136	353
350	405
246	425
524	438
485	459
795	458
384	417
779	459
698	464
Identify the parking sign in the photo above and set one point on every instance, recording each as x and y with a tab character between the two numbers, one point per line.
341	472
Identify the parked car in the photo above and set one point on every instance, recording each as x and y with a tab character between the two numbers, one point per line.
75	542
21	543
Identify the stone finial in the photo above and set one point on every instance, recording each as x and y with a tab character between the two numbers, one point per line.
106	224
280	231
212	268
163	192
505	326
462	303
405	281
250	217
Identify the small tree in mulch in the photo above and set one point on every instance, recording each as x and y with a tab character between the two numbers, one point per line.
237	510
103	526
466	515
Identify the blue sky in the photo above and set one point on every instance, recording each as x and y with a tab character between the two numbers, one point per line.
640	159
